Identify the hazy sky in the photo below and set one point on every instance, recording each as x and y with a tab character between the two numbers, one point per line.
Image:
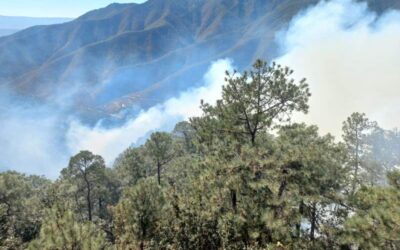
54	8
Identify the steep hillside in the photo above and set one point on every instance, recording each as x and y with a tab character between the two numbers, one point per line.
140	54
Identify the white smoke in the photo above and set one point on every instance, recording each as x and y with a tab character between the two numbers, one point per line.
29	137
111	142
348	53
351	58
37	139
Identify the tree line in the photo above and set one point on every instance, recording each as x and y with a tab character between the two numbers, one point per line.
241	176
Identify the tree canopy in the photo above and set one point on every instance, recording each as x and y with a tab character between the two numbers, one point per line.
242	175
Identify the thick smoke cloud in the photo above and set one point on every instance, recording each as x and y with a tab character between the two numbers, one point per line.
39	139
31	137
351	58
111	142
348	53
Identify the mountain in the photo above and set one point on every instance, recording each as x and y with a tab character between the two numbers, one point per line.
6	32
137	55
12	24
382	5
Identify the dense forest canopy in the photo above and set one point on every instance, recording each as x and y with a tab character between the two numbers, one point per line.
241	176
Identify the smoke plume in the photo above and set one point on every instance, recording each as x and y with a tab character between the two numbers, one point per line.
349	54
111	142
351	59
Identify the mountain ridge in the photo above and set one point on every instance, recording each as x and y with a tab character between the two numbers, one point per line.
152	49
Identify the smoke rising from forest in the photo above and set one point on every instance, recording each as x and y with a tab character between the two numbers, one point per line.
39	139
349	55
111	142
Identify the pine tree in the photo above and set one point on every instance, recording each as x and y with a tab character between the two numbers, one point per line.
375	223
86	175
21	208
131	166
251	102
138	214
61	230
355	130
161	150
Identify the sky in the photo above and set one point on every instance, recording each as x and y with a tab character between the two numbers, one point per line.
54	8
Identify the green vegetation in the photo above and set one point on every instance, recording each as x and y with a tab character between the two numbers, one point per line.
241	176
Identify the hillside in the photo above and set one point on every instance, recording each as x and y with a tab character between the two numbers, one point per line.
139	54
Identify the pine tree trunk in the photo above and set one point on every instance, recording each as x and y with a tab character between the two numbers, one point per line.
253	139
298	225
89	203
88	197
159	173
234	200
313	220
356	164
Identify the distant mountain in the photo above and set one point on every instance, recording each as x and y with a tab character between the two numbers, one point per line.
12	24
382	5
6	32
128	55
